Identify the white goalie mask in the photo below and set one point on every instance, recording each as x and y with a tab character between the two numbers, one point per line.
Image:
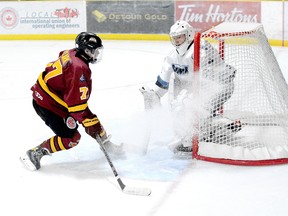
181	35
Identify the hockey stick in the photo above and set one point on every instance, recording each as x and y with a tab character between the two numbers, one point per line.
124	188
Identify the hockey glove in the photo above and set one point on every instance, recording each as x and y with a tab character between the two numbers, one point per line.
151	98
93	127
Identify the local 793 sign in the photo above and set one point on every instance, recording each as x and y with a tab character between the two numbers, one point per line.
43	17
203	15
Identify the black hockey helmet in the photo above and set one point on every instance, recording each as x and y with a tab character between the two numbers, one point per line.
90	46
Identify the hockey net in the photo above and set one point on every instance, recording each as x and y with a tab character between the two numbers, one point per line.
251	126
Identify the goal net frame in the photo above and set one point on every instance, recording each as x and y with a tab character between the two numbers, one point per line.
219	35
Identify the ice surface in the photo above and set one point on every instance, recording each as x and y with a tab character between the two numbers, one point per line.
80	181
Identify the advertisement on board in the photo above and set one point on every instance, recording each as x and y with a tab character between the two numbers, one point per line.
205	14
130	16
42	17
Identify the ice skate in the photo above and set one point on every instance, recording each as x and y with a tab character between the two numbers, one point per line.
31	159
183	152
180	151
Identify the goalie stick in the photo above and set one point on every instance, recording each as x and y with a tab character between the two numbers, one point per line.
128	190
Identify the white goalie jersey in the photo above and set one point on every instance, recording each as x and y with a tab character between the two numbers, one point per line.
213	70
177	76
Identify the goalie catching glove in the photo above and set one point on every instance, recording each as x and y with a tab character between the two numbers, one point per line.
151	97
93	127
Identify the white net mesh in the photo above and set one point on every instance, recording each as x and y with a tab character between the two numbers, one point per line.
244	93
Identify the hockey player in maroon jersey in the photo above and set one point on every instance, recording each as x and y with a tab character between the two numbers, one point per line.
60	98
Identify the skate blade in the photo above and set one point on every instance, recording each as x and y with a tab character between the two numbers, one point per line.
27	163
183	155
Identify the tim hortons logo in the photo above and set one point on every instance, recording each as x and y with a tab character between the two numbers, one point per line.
215	13
8	18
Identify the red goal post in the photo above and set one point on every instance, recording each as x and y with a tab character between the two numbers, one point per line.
259	100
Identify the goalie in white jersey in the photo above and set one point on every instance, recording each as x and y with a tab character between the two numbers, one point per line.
179	63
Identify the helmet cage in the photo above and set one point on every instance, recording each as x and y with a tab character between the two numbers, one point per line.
175	38
95	55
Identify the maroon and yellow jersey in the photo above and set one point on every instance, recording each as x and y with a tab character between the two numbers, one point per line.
65	86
